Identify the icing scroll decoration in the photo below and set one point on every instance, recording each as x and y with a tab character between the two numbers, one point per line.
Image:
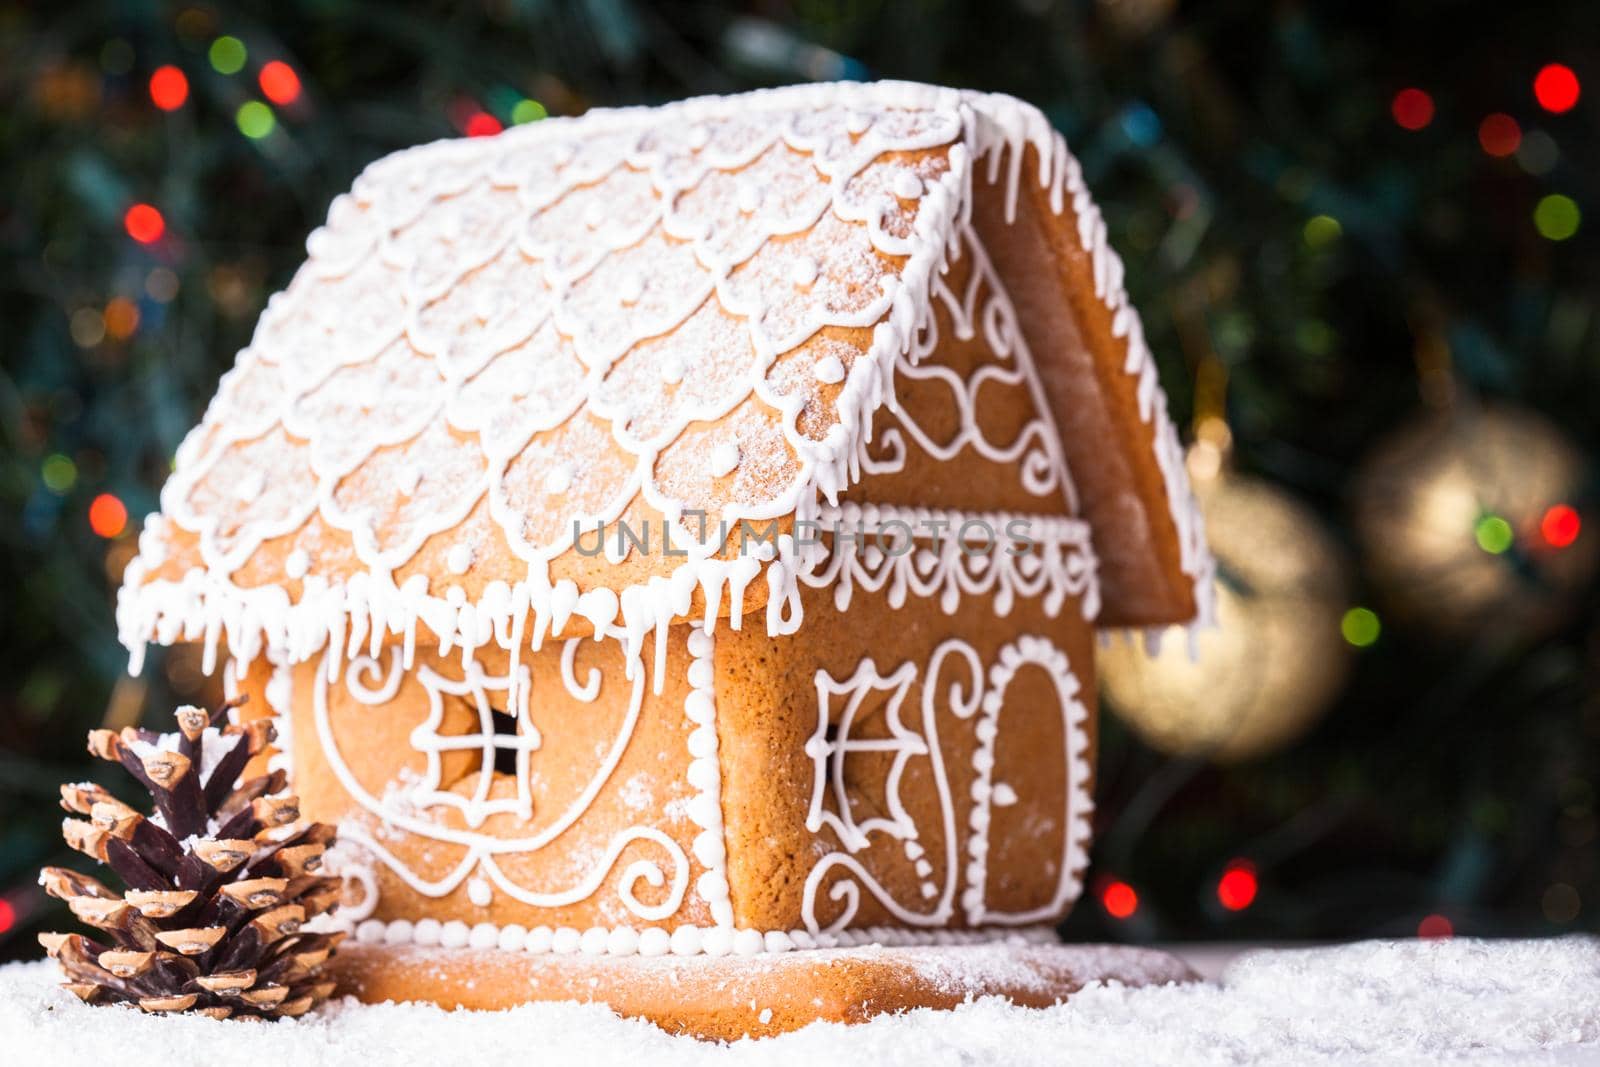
970	693
427	739
987	792
411	809
828	761
1036	450
830	754
894	550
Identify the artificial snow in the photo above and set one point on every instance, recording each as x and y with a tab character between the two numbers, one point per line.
1523	1002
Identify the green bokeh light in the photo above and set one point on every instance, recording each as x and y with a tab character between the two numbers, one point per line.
1494	534
255	119
1322	230
528	111
58	472
227	55
1360	627
1557	217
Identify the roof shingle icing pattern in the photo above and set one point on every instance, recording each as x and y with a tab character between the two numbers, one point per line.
522	336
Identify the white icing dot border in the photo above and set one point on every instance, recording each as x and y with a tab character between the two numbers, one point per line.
705	775
1076	829
656	941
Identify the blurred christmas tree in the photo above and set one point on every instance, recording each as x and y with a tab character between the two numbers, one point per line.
1334	222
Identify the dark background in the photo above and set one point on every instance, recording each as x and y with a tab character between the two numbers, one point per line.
1325	274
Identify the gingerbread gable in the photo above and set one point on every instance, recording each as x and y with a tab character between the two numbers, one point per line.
641	316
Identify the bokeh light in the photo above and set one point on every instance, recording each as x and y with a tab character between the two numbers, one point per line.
1361	627
1494	534
1435	928
528	111
279	83
1119	899
58	473
483	124
87	327
1499	134
108	516
255	119
1560	525
1236	889
144	223
1561	903
1322	230
121	318
227	55
169	88
1556	217
1538	153
1412	109
1556	88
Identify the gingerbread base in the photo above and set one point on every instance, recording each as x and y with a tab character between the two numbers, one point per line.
731	997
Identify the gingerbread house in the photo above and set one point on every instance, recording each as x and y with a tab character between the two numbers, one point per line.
684	530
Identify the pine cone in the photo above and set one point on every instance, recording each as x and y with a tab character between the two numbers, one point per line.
221	879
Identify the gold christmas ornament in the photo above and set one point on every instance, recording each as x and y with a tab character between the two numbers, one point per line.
1472	519
1274	660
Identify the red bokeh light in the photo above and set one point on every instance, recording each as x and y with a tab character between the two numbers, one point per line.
169	88
8	915
1499	134
1119	899
1435	928
144	223
279	83
1556	88
483	124
107	515
1412	108
1236	889
1560	526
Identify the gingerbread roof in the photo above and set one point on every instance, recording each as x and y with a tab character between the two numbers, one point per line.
496	343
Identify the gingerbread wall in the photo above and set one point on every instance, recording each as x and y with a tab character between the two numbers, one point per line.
1025	683
602	832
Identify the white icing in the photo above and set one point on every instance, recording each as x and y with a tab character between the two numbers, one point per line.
830	371
407	478
1036	450
1059	564
973	692
803	272
724	459
459	558
631	289
408	808
1075	820
297	563
853	837
659	941
906	185
559	479
279	694
705	775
